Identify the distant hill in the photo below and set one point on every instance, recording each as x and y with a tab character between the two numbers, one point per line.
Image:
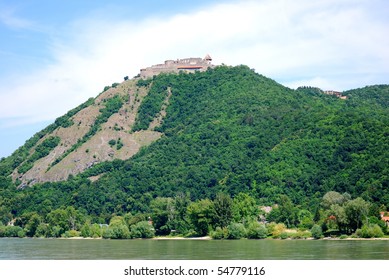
226	129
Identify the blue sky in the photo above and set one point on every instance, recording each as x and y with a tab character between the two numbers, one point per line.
56	54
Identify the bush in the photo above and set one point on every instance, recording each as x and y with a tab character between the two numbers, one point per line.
142	230
42	230
191	233
2	231
112	142
236	231
12	231
71	233
21	233
276	229
301	234
369	231
283	235
256	231
55	231
219	233
89	230
119	232
316	231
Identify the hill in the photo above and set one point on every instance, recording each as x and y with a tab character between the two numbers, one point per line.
227	129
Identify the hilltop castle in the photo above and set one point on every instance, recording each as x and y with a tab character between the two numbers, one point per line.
175	66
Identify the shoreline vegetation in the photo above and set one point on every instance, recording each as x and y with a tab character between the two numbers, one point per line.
337	217
205	238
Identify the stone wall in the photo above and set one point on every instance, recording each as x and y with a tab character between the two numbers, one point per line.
175	66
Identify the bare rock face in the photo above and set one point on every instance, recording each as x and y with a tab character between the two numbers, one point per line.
113	140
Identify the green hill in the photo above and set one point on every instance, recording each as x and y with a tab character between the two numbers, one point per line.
227	130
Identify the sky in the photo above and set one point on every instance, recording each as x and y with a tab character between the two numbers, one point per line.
54	55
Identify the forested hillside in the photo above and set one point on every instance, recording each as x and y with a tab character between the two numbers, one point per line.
227	130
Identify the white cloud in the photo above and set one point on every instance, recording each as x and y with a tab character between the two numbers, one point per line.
8	18
330	44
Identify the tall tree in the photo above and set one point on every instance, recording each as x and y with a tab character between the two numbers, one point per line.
244	208
223	210
356	211
201	214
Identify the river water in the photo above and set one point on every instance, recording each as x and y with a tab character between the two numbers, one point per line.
90	249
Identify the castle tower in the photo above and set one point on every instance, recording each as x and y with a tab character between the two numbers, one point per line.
208	59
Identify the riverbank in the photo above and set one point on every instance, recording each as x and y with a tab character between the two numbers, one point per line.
386	238
210	238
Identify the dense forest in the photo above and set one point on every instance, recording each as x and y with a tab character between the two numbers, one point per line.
233	142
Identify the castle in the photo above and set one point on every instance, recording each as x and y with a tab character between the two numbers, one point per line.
175	66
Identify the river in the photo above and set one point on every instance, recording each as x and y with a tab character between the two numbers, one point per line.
90	249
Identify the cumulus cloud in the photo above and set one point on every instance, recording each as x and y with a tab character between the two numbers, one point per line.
329	44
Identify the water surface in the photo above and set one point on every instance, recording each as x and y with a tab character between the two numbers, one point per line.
90	249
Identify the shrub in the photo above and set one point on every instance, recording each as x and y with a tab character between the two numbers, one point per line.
116	231
144	83
284	235
21	233
2	231
191	233
219	233
256	231
71	233
89	230
369	231
55	231
12	231
119	145
316	231
112	142
42	230
236	231
301	234
276	229
142	230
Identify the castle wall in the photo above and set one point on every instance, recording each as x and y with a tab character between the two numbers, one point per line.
175	66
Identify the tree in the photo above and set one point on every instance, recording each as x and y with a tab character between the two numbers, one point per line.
142	230
244	208
59	219
256	230
33	224
222	210
305	219
316	231
356	211
200	214
331	198
66	219
341	219
163	213
287	211
117	229
75	218
91	230
180	223
236	231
